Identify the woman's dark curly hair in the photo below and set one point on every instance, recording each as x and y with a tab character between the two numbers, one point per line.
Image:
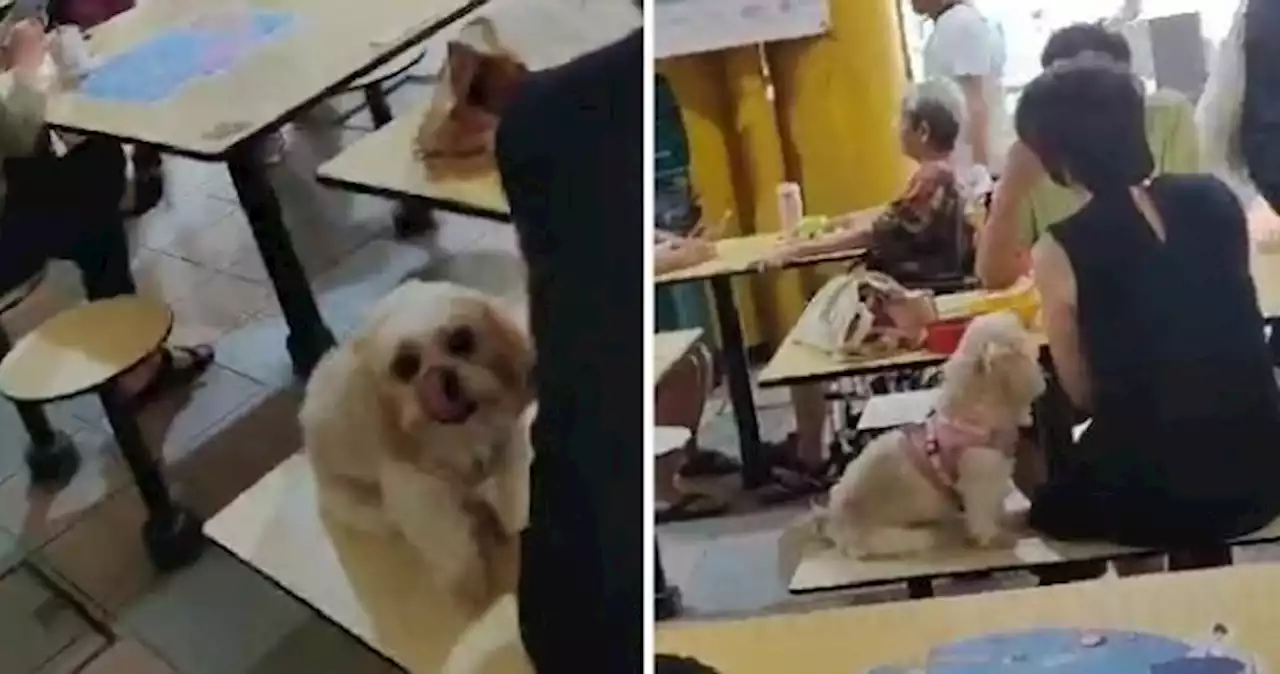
1081	38
1085	119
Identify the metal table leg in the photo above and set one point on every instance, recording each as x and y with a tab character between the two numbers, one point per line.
754	470
52	458
172	534
668	596
379	108
309	338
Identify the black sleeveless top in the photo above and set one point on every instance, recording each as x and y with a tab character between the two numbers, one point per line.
1185	401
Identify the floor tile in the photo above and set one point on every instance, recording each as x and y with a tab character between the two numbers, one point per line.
39	515
77	656
319	646
178	424
35	624
127	656
737	574
216	617
101	555
238	451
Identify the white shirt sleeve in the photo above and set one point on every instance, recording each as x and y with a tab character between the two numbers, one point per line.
965	44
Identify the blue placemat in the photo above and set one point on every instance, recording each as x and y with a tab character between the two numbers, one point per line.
163	65
1071	651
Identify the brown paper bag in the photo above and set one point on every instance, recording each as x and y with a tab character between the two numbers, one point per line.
479	77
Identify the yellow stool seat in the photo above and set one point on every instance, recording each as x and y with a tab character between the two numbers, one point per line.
82	349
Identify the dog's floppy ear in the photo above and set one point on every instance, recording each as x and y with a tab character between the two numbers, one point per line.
515	354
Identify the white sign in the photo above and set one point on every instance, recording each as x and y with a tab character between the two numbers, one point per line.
693	26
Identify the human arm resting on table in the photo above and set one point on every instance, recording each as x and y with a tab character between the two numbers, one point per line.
1002	240
1056	282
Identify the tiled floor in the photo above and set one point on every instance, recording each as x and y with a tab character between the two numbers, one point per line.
195	251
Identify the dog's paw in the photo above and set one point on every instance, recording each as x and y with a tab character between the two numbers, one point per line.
995	539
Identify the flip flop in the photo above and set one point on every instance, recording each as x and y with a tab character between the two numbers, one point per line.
172	375
692	507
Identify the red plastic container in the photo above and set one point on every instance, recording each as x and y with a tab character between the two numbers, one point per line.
943	337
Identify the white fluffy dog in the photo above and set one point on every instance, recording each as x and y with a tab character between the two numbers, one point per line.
419	425
955	467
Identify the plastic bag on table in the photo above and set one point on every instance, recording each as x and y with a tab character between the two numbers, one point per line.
479	77
865	314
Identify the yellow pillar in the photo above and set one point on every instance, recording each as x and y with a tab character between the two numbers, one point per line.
763	167
838	101
699	84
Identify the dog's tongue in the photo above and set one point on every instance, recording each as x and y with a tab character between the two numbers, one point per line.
437	402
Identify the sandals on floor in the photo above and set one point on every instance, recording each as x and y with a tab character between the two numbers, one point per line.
180	367
692	507
793	479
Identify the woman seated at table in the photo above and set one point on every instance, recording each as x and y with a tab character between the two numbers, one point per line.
1024	208
67	207
1155	332
923	235
690	482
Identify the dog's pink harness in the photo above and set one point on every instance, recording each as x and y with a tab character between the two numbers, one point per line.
935	445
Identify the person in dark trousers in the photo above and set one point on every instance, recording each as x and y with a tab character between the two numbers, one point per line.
67	208
148	176
570	151
1152	319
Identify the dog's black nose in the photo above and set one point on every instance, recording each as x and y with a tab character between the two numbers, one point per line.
451	386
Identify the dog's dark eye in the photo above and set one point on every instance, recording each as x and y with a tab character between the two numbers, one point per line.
461	342
405	366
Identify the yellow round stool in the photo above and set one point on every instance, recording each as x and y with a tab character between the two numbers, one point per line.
52	459
87	349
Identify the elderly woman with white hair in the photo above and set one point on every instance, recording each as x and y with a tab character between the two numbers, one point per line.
921	238
922	235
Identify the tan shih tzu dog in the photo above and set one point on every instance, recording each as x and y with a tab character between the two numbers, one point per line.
956	467
419	425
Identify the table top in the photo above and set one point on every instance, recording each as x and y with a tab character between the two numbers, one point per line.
1181	606
372	586
83	348
327	46
670	347
795	362
740	254
545	34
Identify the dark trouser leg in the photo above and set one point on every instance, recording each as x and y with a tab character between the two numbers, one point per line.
309	338
51	458
102	256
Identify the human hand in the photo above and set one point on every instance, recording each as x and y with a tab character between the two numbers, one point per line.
787	251
26	46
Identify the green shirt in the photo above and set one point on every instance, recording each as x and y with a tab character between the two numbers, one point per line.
1171	133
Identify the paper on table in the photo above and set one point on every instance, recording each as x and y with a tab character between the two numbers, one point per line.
897	409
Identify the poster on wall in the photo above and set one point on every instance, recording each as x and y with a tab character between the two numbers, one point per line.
694	26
